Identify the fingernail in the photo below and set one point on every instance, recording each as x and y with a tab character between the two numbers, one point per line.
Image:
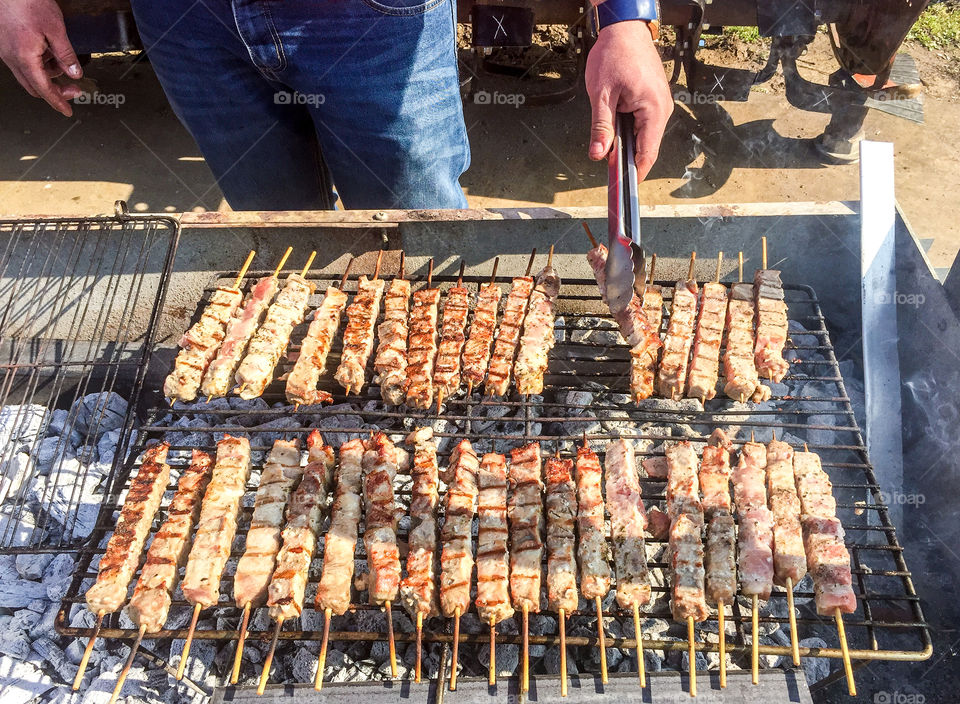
596	149
74	70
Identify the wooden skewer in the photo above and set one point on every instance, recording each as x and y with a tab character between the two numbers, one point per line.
265	675
243	269
283	260
794	643
693	264
439	399
492	678
493	275
430	273
188	642
533	255
376	269
296	407
456	650
416	677
309	263
346	391
763	240
391	643
346	272
127	665
692	657
82	667
653	265
740	267
550	257
719	266
403	264
723	644
755	645
603	644
322	660
563	638
641	665
238	658
469	388
845	651
460	275
593	240
525	686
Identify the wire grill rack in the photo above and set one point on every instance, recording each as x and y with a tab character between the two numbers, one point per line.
811	405
69	328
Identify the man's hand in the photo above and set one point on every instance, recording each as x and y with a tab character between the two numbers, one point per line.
34	44
624	73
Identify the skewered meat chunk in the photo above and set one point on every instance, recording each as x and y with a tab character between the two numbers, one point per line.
358	336
493	567
281	472
200	343
628	520
219	375
380	464
217	524
593	551
340	540
418	590
715	475
508	336
446	373
789	560
303	519
739	369
721	568
688	587
772	325
755	541
827	558
390	361
312	362
643	358
153	594
476	352
676	346
538	337
525	514
456	556
561	519
655	467
704	369
423	348
270	341
119	562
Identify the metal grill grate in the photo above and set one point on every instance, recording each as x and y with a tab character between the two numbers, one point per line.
70	338
585	359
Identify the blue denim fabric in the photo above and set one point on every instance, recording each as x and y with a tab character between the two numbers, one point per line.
290	98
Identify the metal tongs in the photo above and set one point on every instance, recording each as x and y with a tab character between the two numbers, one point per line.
625	261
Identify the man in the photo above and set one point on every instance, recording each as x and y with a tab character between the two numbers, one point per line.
289	98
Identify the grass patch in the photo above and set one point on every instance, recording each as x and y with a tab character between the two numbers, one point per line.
938	27
748	35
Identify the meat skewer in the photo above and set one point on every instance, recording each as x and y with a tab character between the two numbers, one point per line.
390	362
720	564
476	352
538	337
676	346
312	362
755	540
827	558
270	342
333	592
643	361
219	375
493	563
456	557
688	601
739	370
561	561
704	368
508	334
122	556
525	514
772	326
281	471
358	335
422	352
216	529
418	589
446	373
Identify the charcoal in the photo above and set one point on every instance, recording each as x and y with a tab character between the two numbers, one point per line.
380	651
23	682
45	625
551	661
57	576
14	643
701	661
99	412
304	666
107	447
815	669
16	470
21	424
17	593
51	451
199	661
508	657
53	654
32	566
542	624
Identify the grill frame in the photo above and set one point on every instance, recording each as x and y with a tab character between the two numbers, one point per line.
579	299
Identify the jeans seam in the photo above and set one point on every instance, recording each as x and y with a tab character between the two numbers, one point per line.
281	54
421	9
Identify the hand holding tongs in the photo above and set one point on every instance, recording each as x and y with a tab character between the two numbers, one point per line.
625	261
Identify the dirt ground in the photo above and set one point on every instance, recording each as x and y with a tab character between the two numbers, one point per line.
760	150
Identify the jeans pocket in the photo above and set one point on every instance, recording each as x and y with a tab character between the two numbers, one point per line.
402	8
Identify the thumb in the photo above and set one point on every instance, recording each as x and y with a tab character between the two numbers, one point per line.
62	51
602	113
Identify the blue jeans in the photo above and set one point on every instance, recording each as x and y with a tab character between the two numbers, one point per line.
289	99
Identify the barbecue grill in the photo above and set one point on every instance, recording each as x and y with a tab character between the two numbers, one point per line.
586	398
